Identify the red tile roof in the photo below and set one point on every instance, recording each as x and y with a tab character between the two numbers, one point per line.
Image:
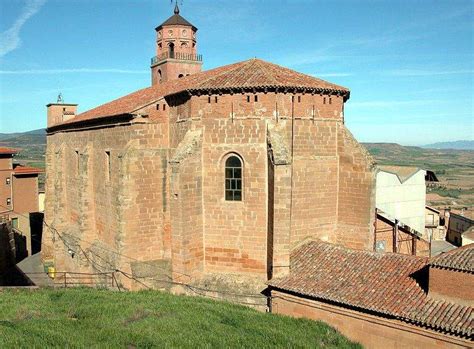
461	259
5	150
23	170
251	74
377	282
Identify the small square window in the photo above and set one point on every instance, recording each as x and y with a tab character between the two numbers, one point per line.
299	99
7	181
209	99
164	106
9	201
330	100
216	99
248	99
157	107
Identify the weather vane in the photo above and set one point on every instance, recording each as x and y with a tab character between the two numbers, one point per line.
60	98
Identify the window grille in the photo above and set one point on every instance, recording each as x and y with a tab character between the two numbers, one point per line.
233	179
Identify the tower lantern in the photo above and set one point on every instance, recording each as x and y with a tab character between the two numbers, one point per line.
176	50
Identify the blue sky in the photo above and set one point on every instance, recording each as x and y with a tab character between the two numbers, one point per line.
409	64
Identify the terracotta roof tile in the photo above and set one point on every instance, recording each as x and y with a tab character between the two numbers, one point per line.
22	170
383	283
5	150
461	259
253	73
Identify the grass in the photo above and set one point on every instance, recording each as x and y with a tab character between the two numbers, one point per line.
84	318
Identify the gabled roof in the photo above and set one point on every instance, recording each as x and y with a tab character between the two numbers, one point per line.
402	172
461	259
253	74
382	283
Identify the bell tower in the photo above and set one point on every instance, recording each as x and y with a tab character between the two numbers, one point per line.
176	50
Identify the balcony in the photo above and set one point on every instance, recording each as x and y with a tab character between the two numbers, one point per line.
178	56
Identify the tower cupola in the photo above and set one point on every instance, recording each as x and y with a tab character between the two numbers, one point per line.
176	50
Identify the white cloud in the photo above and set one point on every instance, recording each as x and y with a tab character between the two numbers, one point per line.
10	39
71	70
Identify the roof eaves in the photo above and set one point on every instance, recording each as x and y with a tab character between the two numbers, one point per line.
98	121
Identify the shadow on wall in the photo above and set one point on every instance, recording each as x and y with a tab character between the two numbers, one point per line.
36	225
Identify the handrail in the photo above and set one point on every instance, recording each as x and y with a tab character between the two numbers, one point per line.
177	55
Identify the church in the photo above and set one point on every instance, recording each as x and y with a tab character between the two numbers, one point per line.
204	174
235	182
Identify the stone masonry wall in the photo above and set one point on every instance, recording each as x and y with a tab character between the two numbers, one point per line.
369	330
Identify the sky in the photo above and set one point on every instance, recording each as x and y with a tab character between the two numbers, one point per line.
408	63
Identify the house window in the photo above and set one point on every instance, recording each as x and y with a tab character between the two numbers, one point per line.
215	99
324	100
430	220
248	99
299	99
9	201
256	98
7	181
330	100
107	165
164	107
209	99
233	179
15	223
157	107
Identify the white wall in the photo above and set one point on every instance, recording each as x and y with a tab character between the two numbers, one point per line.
403	201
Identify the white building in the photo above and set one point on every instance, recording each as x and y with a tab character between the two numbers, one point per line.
401	193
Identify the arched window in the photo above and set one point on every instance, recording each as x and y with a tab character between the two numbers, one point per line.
159	75
171	50
233	179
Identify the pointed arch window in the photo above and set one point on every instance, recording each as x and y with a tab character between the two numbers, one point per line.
233	179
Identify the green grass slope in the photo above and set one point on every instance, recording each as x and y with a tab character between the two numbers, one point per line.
85	318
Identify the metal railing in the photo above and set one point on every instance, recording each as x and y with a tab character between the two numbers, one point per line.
177	55
67	279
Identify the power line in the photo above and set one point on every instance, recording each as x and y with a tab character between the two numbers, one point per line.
194	289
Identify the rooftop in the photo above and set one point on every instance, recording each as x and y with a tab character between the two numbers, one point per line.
11	151
24	170
461	259
402	172
176	19
383	283
250	75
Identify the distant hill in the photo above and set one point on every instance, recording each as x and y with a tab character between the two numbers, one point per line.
427	158
41	132
460	145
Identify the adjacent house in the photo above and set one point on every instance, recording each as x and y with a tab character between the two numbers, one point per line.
401	193
382	299
19	202
434	224
457	226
